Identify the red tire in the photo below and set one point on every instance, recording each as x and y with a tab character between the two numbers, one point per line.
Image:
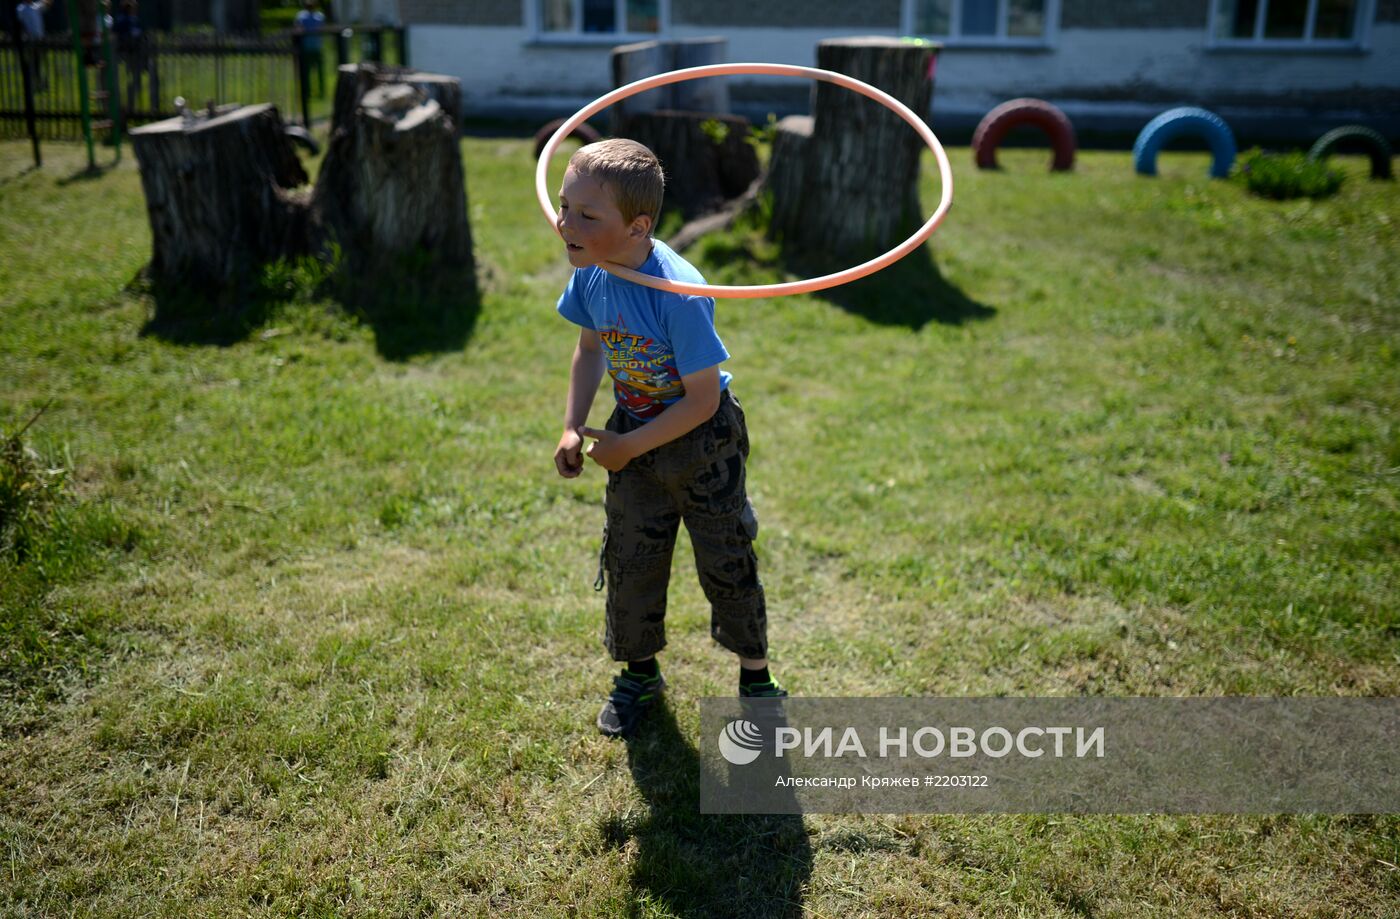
583	132
992	130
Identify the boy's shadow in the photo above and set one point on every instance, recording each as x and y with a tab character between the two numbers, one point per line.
747	865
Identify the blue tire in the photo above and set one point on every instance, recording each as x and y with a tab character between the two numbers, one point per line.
1173	123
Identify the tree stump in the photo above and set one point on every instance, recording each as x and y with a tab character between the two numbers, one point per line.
354	80
648	58
703	149
220	186
392	181
707	158
845	180
220	192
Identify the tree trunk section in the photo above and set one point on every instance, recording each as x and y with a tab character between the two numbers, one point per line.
219	193
392	185
648	58
354	80
220	186
845	181
707	158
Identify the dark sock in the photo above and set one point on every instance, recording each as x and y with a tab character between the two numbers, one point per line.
747	676
646	668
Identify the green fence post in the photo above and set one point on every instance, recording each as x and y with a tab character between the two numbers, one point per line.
75	24
113	108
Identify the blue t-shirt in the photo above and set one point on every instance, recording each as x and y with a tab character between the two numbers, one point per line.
309	20
651	338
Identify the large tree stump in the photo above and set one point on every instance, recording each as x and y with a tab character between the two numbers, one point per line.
392	181
845	180
220	193
354	80
220	186
648	58
707	158
703	149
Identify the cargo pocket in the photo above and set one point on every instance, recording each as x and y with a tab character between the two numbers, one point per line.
748	520
741	426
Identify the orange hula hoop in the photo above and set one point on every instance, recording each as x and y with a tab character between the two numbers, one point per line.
945	173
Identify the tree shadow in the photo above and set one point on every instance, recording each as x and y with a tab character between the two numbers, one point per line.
413	307
704	865
912	292
413	310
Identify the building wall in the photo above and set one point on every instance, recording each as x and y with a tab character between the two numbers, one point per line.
463	12
1099	69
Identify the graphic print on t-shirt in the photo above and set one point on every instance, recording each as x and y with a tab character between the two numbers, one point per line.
644	374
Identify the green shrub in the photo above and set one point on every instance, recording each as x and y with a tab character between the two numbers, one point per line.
46	539
764	136
29	489
1286	175
717	131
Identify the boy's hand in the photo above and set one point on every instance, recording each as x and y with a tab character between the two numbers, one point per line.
610	451
568	456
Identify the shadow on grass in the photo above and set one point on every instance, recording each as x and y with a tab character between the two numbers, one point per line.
912	292
743	865
86	174
413	308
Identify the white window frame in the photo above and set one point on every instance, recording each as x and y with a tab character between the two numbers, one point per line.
534	22
1360	40
955	39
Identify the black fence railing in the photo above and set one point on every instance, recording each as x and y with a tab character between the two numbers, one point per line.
145	76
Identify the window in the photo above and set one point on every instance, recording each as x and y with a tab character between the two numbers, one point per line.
983	22
1266	23
603	18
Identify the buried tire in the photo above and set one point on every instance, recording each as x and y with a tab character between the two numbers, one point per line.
1185	121
991	131
583	132
1357	135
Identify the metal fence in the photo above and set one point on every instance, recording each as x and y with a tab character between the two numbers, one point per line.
146	75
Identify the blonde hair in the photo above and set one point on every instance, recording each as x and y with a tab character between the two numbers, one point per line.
631	173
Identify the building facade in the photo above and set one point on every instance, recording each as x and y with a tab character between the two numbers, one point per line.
1274	68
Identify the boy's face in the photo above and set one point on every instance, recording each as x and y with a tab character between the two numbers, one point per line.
592	225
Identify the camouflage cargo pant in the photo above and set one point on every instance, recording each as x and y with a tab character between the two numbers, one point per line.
697	478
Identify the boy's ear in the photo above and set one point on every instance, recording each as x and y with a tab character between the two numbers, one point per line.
641	225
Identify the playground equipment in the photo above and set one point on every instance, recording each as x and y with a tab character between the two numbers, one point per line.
1177	122
992	129
1374	142
584	133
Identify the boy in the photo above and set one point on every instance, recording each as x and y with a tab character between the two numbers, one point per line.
676	442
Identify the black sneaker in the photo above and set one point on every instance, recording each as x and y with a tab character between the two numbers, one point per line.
632	695
768	690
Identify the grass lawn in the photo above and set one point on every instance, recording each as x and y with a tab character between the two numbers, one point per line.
325	643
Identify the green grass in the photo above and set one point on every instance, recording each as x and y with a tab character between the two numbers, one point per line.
1114	435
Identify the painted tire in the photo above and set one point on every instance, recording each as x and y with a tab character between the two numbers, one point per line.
299	135
1373	141
583	132
991	130
1172	124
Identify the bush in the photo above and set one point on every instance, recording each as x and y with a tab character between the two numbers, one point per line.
29	489
47	538
1286	175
